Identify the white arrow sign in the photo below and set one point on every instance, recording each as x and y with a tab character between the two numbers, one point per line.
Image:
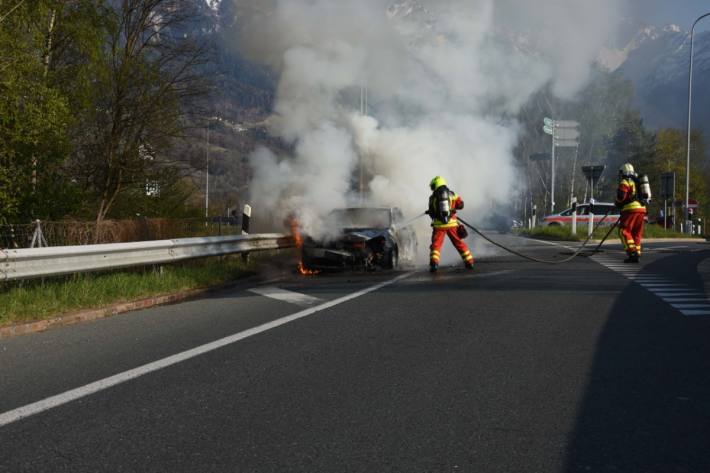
566	124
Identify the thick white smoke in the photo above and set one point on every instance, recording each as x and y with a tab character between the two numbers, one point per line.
444	78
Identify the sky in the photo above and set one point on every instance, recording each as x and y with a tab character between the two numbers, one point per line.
664	12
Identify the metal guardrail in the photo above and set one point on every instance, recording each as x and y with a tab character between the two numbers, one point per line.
53	261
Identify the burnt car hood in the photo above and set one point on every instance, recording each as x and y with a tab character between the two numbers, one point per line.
363	234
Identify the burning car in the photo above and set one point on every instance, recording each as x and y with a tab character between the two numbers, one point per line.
367	238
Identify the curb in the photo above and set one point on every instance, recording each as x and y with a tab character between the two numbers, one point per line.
96	314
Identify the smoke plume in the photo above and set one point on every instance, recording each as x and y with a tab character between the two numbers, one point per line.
444	80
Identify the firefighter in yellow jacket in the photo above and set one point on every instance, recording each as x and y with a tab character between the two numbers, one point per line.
631	197
443	205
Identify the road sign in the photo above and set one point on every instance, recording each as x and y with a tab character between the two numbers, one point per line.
566	124
540	157
549	122
667	185
593	173
567	134
692	204
547	129
566	143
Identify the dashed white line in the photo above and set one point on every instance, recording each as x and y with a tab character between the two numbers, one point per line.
78	393
686	300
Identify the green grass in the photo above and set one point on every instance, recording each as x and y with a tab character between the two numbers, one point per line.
564	233
36	300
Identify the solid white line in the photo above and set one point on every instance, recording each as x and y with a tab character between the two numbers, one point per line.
69	396
660	284
695	312
696	299
691	306
291	297
665	289
678	294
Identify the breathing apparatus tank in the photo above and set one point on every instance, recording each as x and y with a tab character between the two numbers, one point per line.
644	189
443	203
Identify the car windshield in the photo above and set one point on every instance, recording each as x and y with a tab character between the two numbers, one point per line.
361	218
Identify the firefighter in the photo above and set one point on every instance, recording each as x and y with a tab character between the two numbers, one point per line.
631	197
443	205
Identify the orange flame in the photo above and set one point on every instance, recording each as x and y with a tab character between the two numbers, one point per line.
298	243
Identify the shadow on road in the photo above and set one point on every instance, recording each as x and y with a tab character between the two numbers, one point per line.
647	404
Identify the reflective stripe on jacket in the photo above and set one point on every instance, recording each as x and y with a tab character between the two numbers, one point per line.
455	202
627	197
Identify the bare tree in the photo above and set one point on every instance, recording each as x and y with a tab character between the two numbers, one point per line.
152	70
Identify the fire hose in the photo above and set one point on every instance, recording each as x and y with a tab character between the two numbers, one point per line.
538	260
532	258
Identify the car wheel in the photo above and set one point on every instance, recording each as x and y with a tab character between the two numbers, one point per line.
554	224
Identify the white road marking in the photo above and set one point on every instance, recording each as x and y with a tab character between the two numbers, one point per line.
686	300
74	394
678	294
665	288
695	312
441	276
661	285
695	299
291	297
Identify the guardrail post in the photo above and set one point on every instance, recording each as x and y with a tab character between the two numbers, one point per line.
574	216
246	218
590	229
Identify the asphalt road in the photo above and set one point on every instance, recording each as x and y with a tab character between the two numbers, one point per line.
590	366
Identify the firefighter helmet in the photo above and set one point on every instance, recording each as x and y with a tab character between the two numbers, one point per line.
437	182
626	170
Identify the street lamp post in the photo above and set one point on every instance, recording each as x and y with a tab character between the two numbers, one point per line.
688	228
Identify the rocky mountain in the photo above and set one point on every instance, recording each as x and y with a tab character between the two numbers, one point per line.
656	61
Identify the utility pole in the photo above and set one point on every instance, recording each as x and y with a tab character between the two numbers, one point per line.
688	226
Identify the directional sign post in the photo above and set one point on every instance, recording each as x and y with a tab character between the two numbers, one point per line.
571	134
564	135
567	124
549	128
593	173
566	143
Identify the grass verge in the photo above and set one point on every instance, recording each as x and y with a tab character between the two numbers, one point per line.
29	301
564	233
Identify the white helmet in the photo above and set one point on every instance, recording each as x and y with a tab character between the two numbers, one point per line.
626	170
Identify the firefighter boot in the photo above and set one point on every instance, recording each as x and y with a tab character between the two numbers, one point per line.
632	258
469	265
433	267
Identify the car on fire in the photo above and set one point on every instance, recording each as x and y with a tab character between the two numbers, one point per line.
367	238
